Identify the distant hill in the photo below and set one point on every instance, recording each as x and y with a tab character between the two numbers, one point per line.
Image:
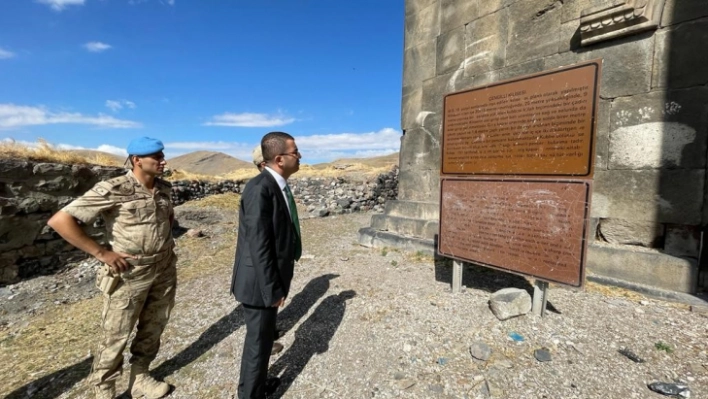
208	163
374	162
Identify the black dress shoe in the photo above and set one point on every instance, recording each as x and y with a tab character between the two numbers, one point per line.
271	385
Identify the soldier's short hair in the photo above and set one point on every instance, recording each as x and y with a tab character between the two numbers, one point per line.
274	144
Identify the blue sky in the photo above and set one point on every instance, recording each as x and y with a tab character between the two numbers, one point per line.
203	75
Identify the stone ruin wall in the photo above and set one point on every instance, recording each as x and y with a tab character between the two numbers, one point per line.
31	192
649	191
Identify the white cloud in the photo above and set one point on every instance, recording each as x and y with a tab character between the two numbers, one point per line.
316	148
13	116
248	119
117	105
5	54
171	2
58	5
111	149
96	47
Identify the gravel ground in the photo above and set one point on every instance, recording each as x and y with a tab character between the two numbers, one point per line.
365	323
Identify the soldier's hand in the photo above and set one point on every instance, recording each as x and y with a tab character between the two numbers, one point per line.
279	303
116	260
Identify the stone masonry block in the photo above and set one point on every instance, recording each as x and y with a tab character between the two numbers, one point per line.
411	108
682	240
632	232
419	149
602	135
434	91
572	8
663	196
418	65
450	51
676	11
485	43
660	129
456	13
627	65
415	6
534	31
419	185
570	36
422	26
677	60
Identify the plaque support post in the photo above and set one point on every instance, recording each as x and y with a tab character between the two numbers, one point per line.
540	298
456	276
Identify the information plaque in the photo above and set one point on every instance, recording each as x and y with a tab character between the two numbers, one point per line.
532	227
536	125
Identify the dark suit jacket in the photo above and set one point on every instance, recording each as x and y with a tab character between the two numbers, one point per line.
265	248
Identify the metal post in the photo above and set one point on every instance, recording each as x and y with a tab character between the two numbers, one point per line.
456	276
540	298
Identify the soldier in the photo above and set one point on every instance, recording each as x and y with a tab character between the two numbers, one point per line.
138	278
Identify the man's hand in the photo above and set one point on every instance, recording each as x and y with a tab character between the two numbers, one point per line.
116	260
279	303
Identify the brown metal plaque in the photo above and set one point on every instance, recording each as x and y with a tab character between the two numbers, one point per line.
541	124
531	227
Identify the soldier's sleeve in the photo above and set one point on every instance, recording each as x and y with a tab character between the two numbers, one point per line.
90	205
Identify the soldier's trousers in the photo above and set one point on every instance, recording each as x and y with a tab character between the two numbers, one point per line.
146	296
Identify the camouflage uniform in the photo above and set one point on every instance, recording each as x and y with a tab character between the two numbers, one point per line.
138	222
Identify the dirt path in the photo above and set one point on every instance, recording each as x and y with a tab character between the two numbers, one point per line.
365	323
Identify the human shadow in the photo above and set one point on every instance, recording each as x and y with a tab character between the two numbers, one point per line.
312	337
53	385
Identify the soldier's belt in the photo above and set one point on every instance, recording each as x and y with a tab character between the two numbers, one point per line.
142	260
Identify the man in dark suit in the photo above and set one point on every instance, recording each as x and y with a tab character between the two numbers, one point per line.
268	246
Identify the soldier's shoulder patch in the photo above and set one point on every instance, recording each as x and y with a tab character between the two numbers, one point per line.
102	188
121	185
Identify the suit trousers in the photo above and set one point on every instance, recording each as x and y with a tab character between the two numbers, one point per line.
260	334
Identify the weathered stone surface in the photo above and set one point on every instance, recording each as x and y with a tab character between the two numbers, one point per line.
450	51
11	169
664	196
676	11
510	302
411	107
533	32
419	185
523	69
602	135
413	209
676	62
434	91
572	8
51	169
408	227
456	13
414	6
420	148
56	184
632	232
682	240
422	26
485	43
480	351
643	267
660	129
487	7
418	66
569	36
627	65
17	232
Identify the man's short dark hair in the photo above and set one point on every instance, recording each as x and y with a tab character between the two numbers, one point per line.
274	144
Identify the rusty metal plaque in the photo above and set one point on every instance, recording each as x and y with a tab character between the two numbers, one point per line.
542	124
535	228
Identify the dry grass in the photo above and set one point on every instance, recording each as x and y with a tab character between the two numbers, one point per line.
45	152
227	201
183	175
362	170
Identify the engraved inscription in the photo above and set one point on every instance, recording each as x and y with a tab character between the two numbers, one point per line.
539	125
533	228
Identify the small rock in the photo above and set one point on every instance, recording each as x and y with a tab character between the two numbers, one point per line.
542	355
11	297
480	351
631	355
510	302
437	388
404	383
505	364
194	233
344	259
442	361
668	389
406	348
399	375
644	303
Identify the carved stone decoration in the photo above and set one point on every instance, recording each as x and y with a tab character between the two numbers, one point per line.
619	18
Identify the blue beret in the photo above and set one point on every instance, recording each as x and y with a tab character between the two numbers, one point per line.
145	146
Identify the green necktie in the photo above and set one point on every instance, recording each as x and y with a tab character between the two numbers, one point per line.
296	222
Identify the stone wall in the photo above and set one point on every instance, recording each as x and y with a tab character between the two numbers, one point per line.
31	192
649	190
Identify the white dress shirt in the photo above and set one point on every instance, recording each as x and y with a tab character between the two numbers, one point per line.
282	183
